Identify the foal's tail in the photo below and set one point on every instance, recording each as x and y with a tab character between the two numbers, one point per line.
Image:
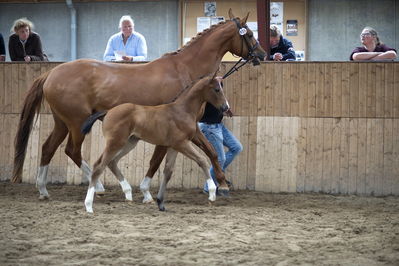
88	124
31	106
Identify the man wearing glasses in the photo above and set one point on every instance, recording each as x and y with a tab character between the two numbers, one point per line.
372	48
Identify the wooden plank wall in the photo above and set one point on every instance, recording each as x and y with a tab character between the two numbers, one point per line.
305	126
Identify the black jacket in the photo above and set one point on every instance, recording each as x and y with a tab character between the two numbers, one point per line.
2	47
285	48
212	115
33	48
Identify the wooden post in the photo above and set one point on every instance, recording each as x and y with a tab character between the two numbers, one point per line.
263	13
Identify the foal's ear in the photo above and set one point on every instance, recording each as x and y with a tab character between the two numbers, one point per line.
244	20
231	15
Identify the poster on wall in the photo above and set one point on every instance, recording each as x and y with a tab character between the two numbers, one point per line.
253	26
216	20
205	22
277	14
210	9
292	27
300	55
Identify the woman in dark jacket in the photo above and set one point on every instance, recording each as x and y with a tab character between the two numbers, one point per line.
24	44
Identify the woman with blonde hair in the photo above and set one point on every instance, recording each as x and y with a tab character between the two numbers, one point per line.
24	44
372	48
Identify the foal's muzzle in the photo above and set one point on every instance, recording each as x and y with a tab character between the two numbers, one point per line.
224	107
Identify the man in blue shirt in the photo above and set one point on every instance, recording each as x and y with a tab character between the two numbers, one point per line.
280	48
126	45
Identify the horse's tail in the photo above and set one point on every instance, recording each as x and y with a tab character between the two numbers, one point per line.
31	107
88	124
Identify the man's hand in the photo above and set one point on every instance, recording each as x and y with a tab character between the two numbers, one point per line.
127	58
278	57
27	58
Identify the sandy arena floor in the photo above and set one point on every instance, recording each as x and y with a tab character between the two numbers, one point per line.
249	228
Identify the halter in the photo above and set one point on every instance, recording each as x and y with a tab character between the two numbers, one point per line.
243	31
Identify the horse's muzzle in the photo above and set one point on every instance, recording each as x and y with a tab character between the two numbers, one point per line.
257	58
224	107
255	61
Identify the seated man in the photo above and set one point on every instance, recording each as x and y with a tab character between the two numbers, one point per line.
126	45
280	48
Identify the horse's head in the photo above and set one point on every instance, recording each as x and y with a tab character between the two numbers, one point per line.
244	44
213	93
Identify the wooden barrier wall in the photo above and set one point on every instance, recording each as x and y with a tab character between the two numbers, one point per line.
305	126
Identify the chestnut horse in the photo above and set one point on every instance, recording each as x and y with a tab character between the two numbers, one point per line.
77	89
171	125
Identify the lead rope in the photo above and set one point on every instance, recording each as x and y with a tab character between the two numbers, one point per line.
235	68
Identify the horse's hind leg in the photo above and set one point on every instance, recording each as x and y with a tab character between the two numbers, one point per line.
48	149
113	166
74	151
111	150
155	162
188	149
167	174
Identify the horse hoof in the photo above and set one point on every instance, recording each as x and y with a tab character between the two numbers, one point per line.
100	195
148	201
42	197
161	207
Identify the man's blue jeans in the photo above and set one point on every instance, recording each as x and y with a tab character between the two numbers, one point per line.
219	136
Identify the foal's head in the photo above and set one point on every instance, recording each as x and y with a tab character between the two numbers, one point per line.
213	93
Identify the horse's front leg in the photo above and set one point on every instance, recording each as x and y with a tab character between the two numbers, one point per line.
155	162
167	174
201	141
187	148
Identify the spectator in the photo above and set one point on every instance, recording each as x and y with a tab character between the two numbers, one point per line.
219	136
24	44
126	45
2	49
280	48
372	48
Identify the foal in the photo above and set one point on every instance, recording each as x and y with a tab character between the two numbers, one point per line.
172	125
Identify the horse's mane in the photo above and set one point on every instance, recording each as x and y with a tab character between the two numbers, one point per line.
196	38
